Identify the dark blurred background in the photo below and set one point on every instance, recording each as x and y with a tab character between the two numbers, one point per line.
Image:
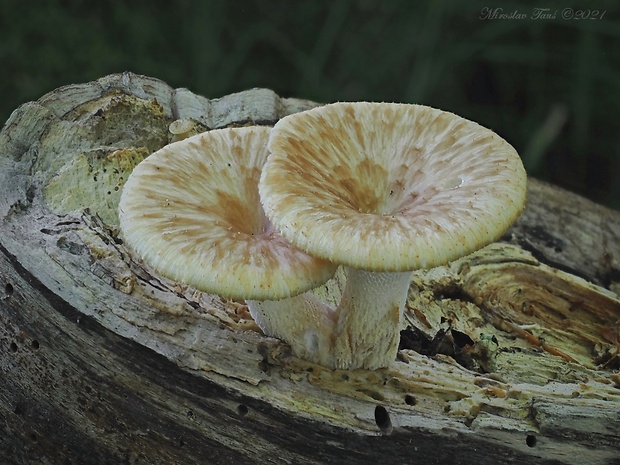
547	80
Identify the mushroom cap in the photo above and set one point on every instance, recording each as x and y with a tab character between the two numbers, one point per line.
389	187
191	210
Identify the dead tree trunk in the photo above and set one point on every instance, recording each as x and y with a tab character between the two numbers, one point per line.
508	356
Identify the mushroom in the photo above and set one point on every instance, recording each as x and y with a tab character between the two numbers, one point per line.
192	212
384	189
182	129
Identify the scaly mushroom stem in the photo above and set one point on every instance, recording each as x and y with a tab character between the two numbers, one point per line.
367	332
362	332
303	321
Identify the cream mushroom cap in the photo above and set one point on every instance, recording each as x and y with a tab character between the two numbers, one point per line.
389	187
192	211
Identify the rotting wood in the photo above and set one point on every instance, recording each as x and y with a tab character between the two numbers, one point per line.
509	355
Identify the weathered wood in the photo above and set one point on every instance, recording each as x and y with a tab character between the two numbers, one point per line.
510	355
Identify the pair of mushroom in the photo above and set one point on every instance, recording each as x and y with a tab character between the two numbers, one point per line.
266	214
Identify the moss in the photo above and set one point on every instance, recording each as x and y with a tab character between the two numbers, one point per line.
93	180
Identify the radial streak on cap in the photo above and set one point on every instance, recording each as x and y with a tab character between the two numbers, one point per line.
191	210
385	189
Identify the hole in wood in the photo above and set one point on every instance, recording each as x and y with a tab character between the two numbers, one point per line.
263	366
242	410
13	347
410	400
8	289
35	344
530	440
382	419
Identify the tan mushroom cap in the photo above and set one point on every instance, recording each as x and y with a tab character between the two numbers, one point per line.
390	187
191	210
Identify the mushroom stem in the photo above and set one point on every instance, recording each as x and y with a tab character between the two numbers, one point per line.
362	332
367	331
303	321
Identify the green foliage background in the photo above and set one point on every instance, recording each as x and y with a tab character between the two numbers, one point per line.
550	86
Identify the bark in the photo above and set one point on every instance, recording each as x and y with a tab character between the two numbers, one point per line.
509	355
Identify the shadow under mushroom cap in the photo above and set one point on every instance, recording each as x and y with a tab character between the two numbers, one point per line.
390	187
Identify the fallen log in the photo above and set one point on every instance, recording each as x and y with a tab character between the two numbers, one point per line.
509	355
